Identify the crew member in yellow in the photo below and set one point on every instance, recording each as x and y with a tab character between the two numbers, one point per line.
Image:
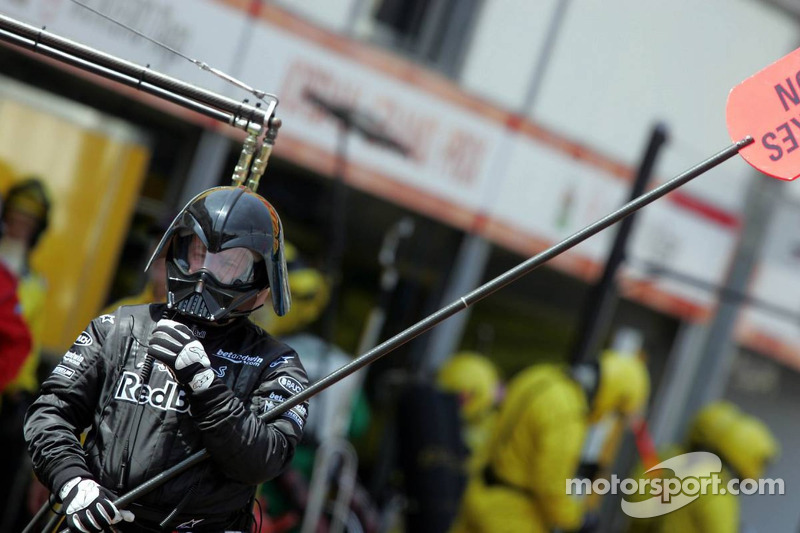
310	294
745	446
537	440
25	217
474	378
286	498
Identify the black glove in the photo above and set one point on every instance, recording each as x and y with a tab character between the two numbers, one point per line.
173	344
89	508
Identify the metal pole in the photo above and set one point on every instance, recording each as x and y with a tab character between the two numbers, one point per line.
171	89
598	307
462	303
337	229
43	510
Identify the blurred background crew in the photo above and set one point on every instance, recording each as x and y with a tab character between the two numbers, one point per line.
336	415
537	440
745	446
310	295
25	218
744	443
15	336
476	381
155	288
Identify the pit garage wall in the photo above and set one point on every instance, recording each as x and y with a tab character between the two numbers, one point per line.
523	180
775	329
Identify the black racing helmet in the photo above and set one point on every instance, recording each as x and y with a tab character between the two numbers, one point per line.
224	248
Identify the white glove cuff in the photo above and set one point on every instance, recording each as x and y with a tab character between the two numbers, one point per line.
68	486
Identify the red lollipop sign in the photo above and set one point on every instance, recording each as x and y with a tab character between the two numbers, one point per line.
766	106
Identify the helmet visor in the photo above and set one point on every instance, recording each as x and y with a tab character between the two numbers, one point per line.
232	267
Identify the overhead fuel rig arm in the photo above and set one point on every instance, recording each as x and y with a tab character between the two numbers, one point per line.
258	121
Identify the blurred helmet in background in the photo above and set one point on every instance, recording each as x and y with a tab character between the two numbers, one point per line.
745	443
623	386
27	210
750	447
310	295
474	378
710	424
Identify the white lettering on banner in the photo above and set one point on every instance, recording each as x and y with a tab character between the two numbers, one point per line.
452	152
168	398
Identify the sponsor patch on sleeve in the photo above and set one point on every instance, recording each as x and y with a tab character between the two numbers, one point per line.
61	370
72	358
84	339
294	417
290	385
301	410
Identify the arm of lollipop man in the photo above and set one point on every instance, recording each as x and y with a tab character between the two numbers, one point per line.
250	449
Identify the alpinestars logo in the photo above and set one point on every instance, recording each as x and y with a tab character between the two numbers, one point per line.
281	360
168	398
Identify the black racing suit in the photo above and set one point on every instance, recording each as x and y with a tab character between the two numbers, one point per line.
131	437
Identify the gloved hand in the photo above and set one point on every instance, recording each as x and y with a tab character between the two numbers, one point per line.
89	507
173	344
